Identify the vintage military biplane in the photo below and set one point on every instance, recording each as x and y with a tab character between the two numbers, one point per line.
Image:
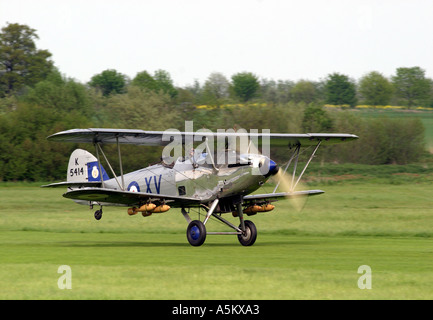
199	178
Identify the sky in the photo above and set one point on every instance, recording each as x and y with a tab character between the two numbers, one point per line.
274	39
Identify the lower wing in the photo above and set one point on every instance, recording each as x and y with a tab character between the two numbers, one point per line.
281	195
128	198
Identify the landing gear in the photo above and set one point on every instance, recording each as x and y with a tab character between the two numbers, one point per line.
249	236
196	233
98	214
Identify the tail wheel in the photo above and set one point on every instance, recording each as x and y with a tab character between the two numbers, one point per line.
249	236
98	214
196	233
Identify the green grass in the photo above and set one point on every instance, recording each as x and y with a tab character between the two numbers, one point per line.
314	254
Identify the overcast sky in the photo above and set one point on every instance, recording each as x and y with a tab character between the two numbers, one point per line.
275	39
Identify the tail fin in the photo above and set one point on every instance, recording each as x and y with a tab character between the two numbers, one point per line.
83	170
84	167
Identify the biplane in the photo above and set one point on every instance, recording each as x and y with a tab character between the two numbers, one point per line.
197	178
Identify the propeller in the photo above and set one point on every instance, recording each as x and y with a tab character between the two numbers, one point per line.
284	182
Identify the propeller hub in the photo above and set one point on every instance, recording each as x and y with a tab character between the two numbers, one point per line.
269	168
273	167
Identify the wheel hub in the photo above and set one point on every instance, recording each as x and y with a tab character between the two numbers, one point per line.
195	232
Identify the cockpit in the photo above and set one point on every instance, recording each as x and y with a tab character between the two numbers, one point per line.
227	159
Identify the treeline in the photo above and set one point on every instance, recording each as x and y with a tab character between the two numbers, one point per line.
36	100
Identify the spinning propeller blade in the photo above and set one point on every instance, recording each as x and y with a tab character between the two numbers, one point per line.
285	182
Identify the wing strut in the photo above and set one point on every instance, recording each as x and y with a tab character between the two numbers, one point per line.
120	163
210	155
295	156
99	163
306	165
98	146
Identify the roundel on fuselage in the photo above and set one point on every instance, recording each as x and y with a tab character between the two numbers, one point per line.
133	187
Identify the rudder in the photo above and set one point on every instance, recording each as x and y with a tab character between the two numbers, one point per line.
84	167
83	171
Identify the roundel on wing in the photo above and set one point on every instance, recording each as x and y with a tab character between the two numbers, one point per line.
134	187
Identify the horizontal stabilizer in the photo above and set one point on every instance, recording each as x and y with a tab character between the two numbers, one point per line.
73	184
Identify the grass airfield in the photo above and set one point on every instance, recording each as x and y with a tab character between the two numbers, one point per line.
386	224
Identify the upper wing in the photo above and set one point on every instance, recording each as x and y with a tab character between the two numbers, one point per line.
162	138
127	197
124	136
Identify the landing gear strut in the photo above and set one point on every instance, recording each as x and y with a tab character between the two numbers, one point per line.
196	231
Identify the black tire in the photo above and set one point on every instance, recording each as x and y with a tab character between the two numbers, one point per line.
250	235
98	214
196	233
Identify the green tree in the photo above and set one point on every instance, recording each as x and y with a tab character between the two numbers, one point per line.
144	80
245	85
339	89
375	89
304	91
140	109
25	153
164	82
411	86
160	81
316	119
21	63
381	140
216	89
61	95
109	81
196	92
276	92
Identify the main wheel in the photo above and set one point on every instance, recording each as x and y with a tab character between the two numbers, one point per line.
98	214
249	236
196	233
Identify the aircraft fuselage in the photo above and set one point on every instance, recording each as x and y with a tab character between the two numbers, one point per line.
201	181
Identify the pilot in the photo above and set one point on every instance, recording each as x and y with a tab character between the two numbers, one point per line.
192	157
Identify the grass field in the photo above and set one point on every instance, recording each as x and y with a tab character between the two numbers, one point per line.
310	255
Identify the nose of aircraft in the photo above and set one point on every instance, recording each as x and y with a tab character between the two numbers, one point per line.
273	167
269	168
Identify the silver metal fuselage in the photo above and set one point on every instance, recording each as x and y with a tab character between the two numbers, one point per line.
204	182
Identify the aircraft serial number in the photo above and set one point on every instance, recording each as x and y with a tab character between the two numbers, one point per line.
76	172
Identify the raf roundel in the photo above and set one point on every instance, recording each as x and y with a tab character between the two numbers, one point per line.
134	187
